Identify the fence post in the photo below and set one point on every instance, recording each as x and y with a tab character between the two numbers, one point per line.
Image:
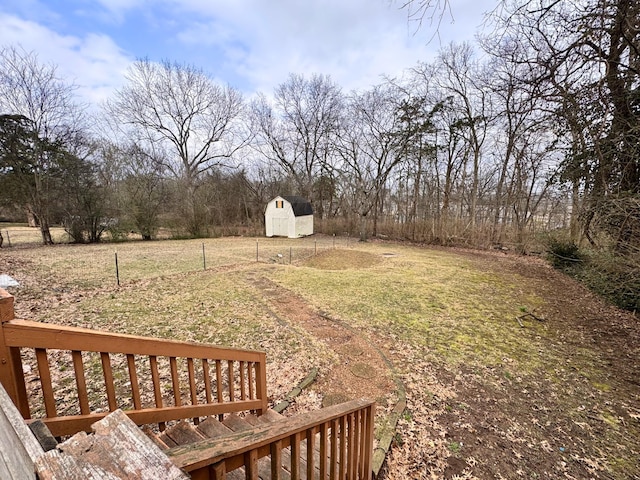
117	270
315	247
204	258
334	240
290	254
257	250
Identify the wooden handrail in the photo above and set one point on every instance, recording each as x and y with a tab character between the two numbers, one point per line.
345	434
25	333
190	365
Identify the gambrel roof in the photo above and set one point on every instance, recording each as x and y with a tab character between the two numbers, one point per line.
300	205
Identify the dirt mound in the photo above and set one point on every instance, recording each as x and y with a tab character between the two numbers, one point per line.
343	260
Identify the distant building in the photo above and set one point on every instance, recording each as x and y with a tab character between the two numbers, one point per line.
288	216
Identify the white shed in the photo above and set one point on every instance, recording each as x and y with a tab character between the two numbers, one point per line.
288	216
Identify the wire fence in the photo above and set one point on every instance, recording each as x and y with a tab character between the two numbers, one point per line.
105	264
22	236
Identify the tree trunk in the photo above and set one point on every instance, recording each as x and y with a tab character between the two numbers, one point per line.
31	218
416	196
45	232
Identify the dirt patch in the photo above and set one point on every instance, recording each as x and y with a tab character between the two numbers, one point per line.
359	372
364	370
343	260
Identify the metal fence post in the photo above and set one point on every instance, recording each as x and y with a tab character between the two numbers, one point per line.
117	270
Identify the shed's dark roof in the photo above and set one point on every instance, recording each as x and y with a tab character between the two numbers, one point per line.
300	205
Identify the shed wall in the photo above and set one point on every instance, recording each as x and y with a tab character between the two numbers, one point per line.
304	226
282	222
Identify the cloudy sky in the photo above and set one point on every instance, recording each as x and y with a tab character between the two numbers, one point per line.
251	44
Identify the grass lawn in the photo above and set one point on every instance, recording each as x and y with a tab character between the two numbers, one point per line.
492	392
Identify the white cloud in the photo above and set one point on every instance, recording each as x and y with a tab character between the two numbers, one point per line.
93	62
114	11
356	42
251	44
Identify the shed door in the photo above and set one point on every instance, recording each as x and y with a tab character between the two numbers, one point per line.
280	227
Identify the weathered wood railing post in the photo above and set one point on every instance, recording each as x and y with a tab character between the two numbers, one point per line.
10	363
6	306
261	383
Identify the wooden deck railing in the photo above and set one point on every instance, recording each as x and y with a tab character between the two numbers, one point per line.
83	374
335	442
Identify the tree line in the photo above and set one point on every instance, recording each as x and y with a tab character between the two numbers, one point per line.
533	128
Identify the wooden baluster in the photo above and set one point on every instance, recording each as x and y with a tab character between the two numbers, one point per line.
192	386
232	382
323	450
108	381
157	393
218	471
351	444
276	460
311	444
219	382
261	383
243	389
333	461
175	381
343	446
81	382
359	444
250	367
363	441
207	380
22	400
251	464
369	415
295	456
219	385
133	378
45	382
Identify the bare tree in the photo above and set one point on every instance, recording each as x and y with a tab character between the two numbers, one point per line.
34	91
179	109
297	130
138	185
371	148
454	81
522	136
586	57
461	80
431	12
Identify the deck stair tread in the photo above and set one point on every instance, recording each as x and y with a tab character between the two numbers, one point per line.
184	432
155	437
213	428
236	423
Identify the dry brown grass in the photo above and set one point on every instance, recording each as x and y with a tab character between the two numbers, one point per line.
487	398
